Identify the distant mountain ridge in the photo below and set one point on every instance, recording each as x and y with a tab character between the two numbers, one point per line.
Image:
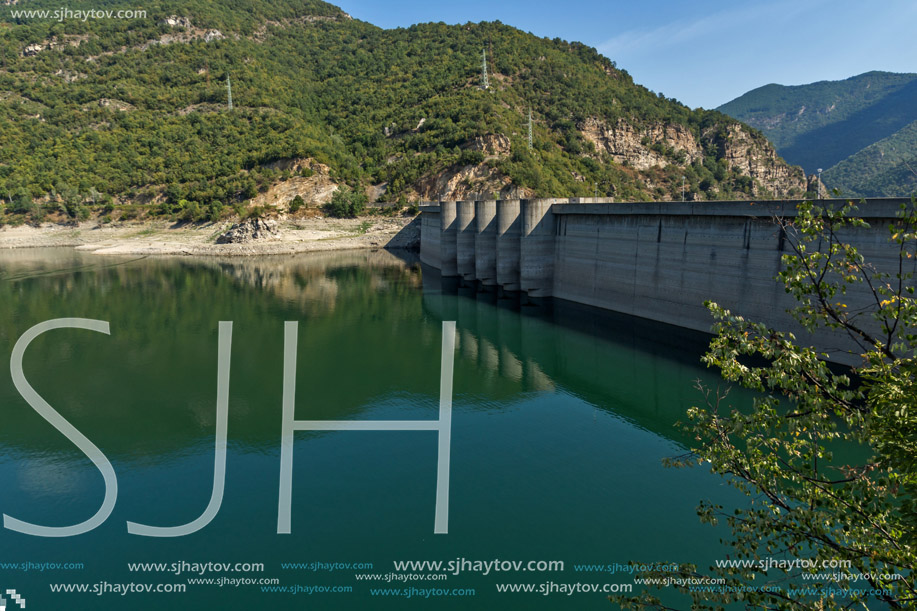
862	131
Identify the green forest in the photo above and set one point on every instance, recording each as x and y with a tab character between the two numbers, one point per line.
100	112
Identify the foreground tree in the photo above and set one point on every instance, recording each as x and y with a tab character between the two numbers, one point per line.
827	457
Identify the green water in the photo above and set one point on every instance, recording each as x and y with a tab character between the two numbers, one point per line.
561	420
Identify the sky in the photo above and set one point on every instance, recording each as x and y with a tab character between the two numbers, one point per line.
703	53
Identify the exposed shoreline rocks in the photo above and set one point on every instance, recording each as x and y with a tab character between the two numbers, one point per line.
285	236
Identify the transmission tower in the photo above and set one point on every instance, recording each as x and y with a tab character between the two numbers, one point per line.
485	83
530	129
229	92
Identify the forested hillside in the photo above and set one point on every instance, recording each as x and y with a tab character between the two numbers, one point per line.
887	167
135	110
859	130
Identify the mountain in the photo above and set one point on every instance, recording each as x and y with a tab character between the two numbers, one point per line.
136	110
860	130
887	167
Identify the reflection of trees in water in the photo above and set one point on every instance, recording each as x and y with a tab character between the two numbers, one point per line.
310	280
39	284
149	387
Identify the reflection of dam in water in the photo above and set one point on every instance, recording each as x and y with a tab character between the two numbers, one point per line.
487	336
640	370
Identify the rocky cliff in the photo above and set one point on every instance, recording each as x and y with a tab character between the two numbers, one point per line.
468	182
755	157
644	151
632	146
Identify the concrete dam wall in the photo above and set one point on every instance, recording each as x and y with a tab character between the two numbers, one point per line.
659	261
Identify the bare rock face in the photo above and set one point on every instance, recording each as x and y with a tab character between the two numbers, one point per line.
211	35
469	182
627	144
759	160
316	189
661	144
116	104
32	50
814	185
174	21
249	230
183	34
473	181
495	145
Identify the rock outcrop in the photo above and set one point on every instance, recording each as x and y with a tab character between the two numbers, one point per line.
316	189
175	21
635	147
659	145
468	182
492	145
118	105
249	230
33	49
183	34
755	157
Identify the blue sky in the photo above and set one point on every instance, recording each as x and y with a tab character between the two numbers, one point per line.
701	52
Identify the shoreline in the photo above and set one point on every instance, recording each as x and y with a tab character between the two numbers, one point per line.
293	235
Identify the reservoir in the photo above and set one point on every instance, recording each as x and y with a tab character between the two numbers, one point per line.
561	418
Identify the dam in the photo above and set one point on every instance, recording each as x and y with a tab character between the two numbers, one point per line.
654	260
